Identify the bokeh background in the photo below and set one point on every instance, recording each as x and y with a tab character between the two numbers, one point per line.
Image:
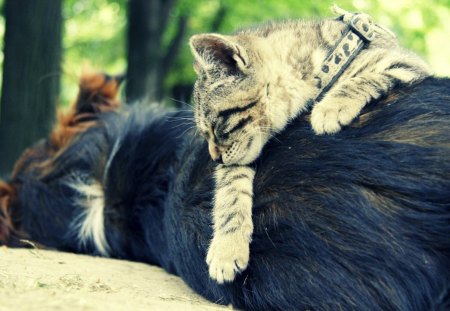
47	42
95	30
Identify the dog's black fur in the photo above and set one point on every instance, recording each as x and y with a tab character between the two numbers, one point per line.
355	221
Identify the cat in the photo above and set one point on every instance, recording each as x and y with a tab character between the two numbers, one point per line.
253	83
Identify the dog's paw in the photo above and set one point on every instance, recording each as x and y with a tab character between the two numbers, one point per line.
329	117
227	256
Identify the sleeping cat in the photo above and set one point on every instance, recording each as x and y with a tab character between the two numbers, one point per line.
253	83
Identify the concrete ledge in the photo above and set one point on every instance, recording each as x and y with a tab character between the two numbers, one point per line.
32	279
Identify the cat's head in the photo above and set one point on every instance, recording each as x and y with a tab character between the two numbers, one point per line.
231	95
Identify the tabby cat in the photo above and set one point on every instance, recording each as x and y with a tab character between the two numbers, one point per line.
253	83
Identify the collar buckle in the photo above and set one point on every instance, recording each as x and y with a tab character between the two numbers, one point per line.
362	25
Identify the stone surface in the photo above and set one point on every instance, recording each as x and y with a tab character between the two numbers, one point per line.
34	279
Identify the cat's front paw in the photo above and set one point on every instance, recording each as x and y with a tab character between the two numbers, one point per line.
227	256
329	117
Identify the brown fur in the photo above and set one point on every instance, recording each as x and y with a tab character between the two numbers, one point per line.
98	94
8	195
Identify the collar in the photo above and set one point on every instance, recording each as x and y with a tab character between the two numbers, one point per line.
359	34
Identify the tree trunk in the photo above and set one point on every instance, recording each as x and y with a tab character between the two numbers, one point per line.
31	73
147	21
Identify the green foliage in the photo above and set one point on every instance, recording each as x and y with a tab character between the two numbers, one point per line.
237	14
95	30
412	20
94	36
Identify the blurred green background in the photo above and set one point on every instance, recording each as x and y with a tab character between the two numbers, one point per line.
95	30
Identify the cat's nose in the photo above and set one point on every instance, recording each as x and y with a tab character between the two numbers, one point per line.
215	153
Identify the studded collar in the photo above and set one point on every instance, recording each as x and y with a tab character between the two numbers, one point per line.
359	34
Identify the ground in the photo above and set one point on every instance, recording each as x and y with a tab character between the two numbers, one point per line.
34	279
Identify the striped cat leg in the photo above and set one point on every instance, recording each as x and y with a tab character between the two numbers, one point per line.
229	251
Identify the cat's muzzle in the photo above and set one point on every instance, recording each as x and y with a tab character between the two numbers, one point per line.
215	153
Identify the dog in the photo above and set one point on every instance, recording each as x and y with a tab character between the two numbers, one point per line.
354	221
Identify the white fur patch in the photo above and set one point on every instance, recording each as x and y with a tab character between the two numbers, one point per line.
90	224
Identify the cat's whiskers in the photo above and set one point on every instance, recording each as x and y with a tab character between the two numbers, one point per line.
179	118
270	134
267	130
185	110
183	124
181	102
190	128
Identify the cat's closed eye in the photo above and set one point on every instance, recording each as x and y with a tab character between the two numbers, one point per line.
220	135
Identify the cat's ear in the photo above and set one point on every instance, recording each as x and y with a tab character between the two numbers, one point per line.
213	50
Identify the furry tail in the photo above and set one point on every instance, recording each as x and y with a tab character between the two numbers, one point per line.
98	94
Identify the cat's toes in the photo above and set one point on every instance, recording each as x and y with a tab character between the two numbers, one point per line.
347	114
226	258
329	120
324	120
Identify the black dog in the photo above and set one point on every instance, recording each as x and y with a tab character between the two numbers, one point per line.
355	221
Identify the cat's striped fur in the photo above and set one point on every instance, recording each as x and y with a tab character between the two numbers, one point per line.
233	226
253	83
